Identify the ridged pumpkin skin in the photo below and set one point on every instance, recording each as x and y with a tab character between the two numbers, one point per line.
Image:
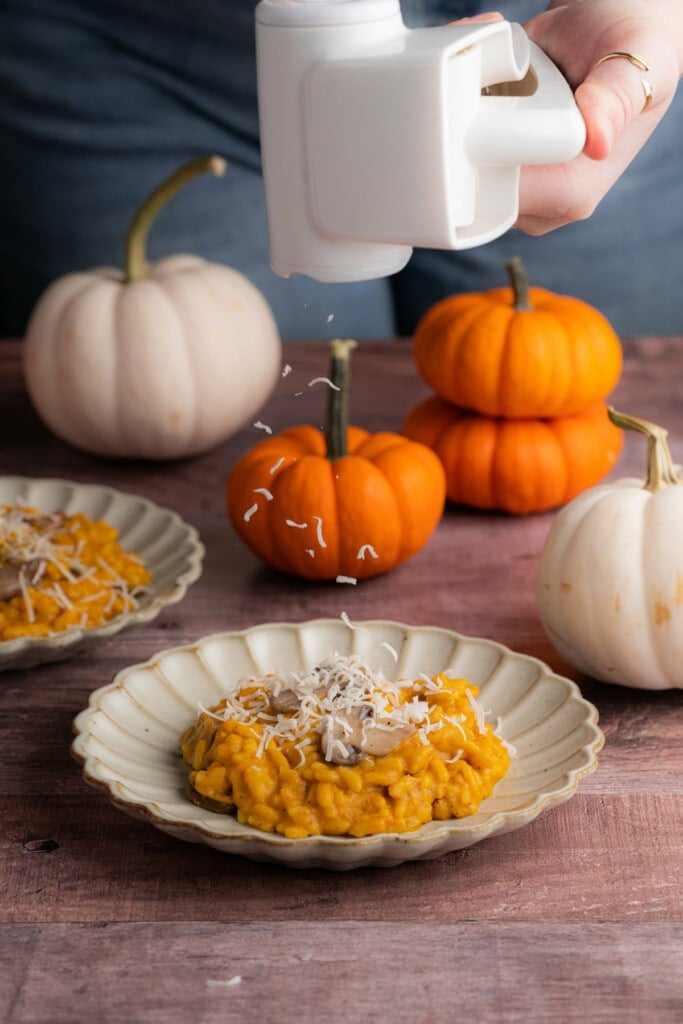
161	368
479	352
314	516
516	466
610	577
154	361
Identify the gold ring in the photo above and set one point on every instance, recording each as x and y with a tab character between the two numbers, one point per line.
632	58
647	89
637	62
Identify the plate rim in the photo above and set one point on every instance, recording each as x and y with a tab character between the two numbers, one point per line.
152	810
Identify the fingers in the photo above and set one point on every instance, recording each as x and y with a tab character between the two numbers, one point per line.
551	196
556	194
616	91
637	80
486	16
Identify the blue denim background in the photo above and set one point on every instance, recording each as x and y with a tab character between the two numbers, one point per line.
103	98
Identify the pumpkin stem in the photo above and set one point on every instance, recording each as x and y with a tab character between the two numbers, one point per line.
337	404
135	266
520	283
660	466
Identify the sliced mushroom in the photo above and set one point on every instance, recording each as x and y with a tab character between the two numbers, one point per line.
47	523
14	573
351	735
284	702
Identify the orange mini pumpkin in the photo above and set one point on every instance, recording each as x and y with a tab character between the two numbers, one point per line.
342	502
517	352
517	466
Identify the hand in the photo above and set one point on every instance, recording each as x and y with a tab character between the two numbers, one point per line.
576	34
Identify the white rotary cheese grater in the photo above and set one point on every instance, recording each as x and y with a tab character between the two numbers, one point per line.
376	138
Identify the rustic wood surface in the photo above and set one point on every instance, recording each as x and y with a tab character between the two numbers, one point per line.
576	917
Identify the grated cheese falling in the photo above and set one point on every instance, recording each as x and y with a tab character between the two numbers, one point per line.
287	370
297	526
265	492
276	465
263	426
250	512
324	380
366	549
319	531
347	579
347	621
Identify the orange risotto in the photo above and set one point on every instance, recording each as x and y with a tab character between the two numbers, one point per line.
59	571
342	751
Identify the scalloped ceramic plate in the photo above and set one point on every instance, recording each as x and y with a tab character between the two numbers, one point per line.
127	738
170	548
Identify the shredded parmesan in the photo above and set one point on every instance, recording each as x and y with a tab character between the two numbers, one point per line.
263	426
324	380
219	983
327	694
276	465
347	579
478	712
287	370
250	512
26	597
347	620
297	526
319	531
61	571
265	492
366	549
392	650
371	754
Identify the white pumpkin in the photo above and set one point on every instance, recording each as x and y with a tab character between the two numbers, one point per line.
610	579
159	361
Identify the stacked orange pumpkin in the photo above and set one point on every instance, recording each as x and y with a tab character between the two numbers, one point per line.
521	374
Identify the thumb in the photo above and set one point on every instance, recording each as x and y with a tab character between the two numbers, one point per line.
616	91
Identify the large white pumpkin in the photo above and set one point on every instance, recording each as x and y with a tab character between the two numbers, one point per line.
610	579
159	361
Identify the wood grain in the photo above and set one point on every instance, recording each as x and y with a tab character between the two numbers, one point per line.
576	917
316	970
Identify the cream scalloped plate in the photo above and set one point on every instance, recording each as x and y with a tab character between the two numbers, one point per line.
171	549
127	738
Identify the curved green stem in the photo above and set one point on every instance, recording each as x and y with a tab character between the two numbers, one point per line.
135	266
336	423
660	466
520	283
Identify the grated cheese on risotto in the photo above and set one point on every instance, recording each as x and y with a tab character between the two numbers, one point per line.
341	750
59	571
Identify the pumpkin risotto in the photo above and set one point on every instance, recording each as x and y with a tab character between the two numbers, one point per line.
59	571
342	751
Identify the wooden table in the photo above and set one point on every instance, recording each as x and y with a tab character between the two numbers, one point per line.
576	917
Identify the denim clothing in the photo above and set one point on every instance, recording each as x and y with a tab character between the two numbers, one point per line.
104	98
